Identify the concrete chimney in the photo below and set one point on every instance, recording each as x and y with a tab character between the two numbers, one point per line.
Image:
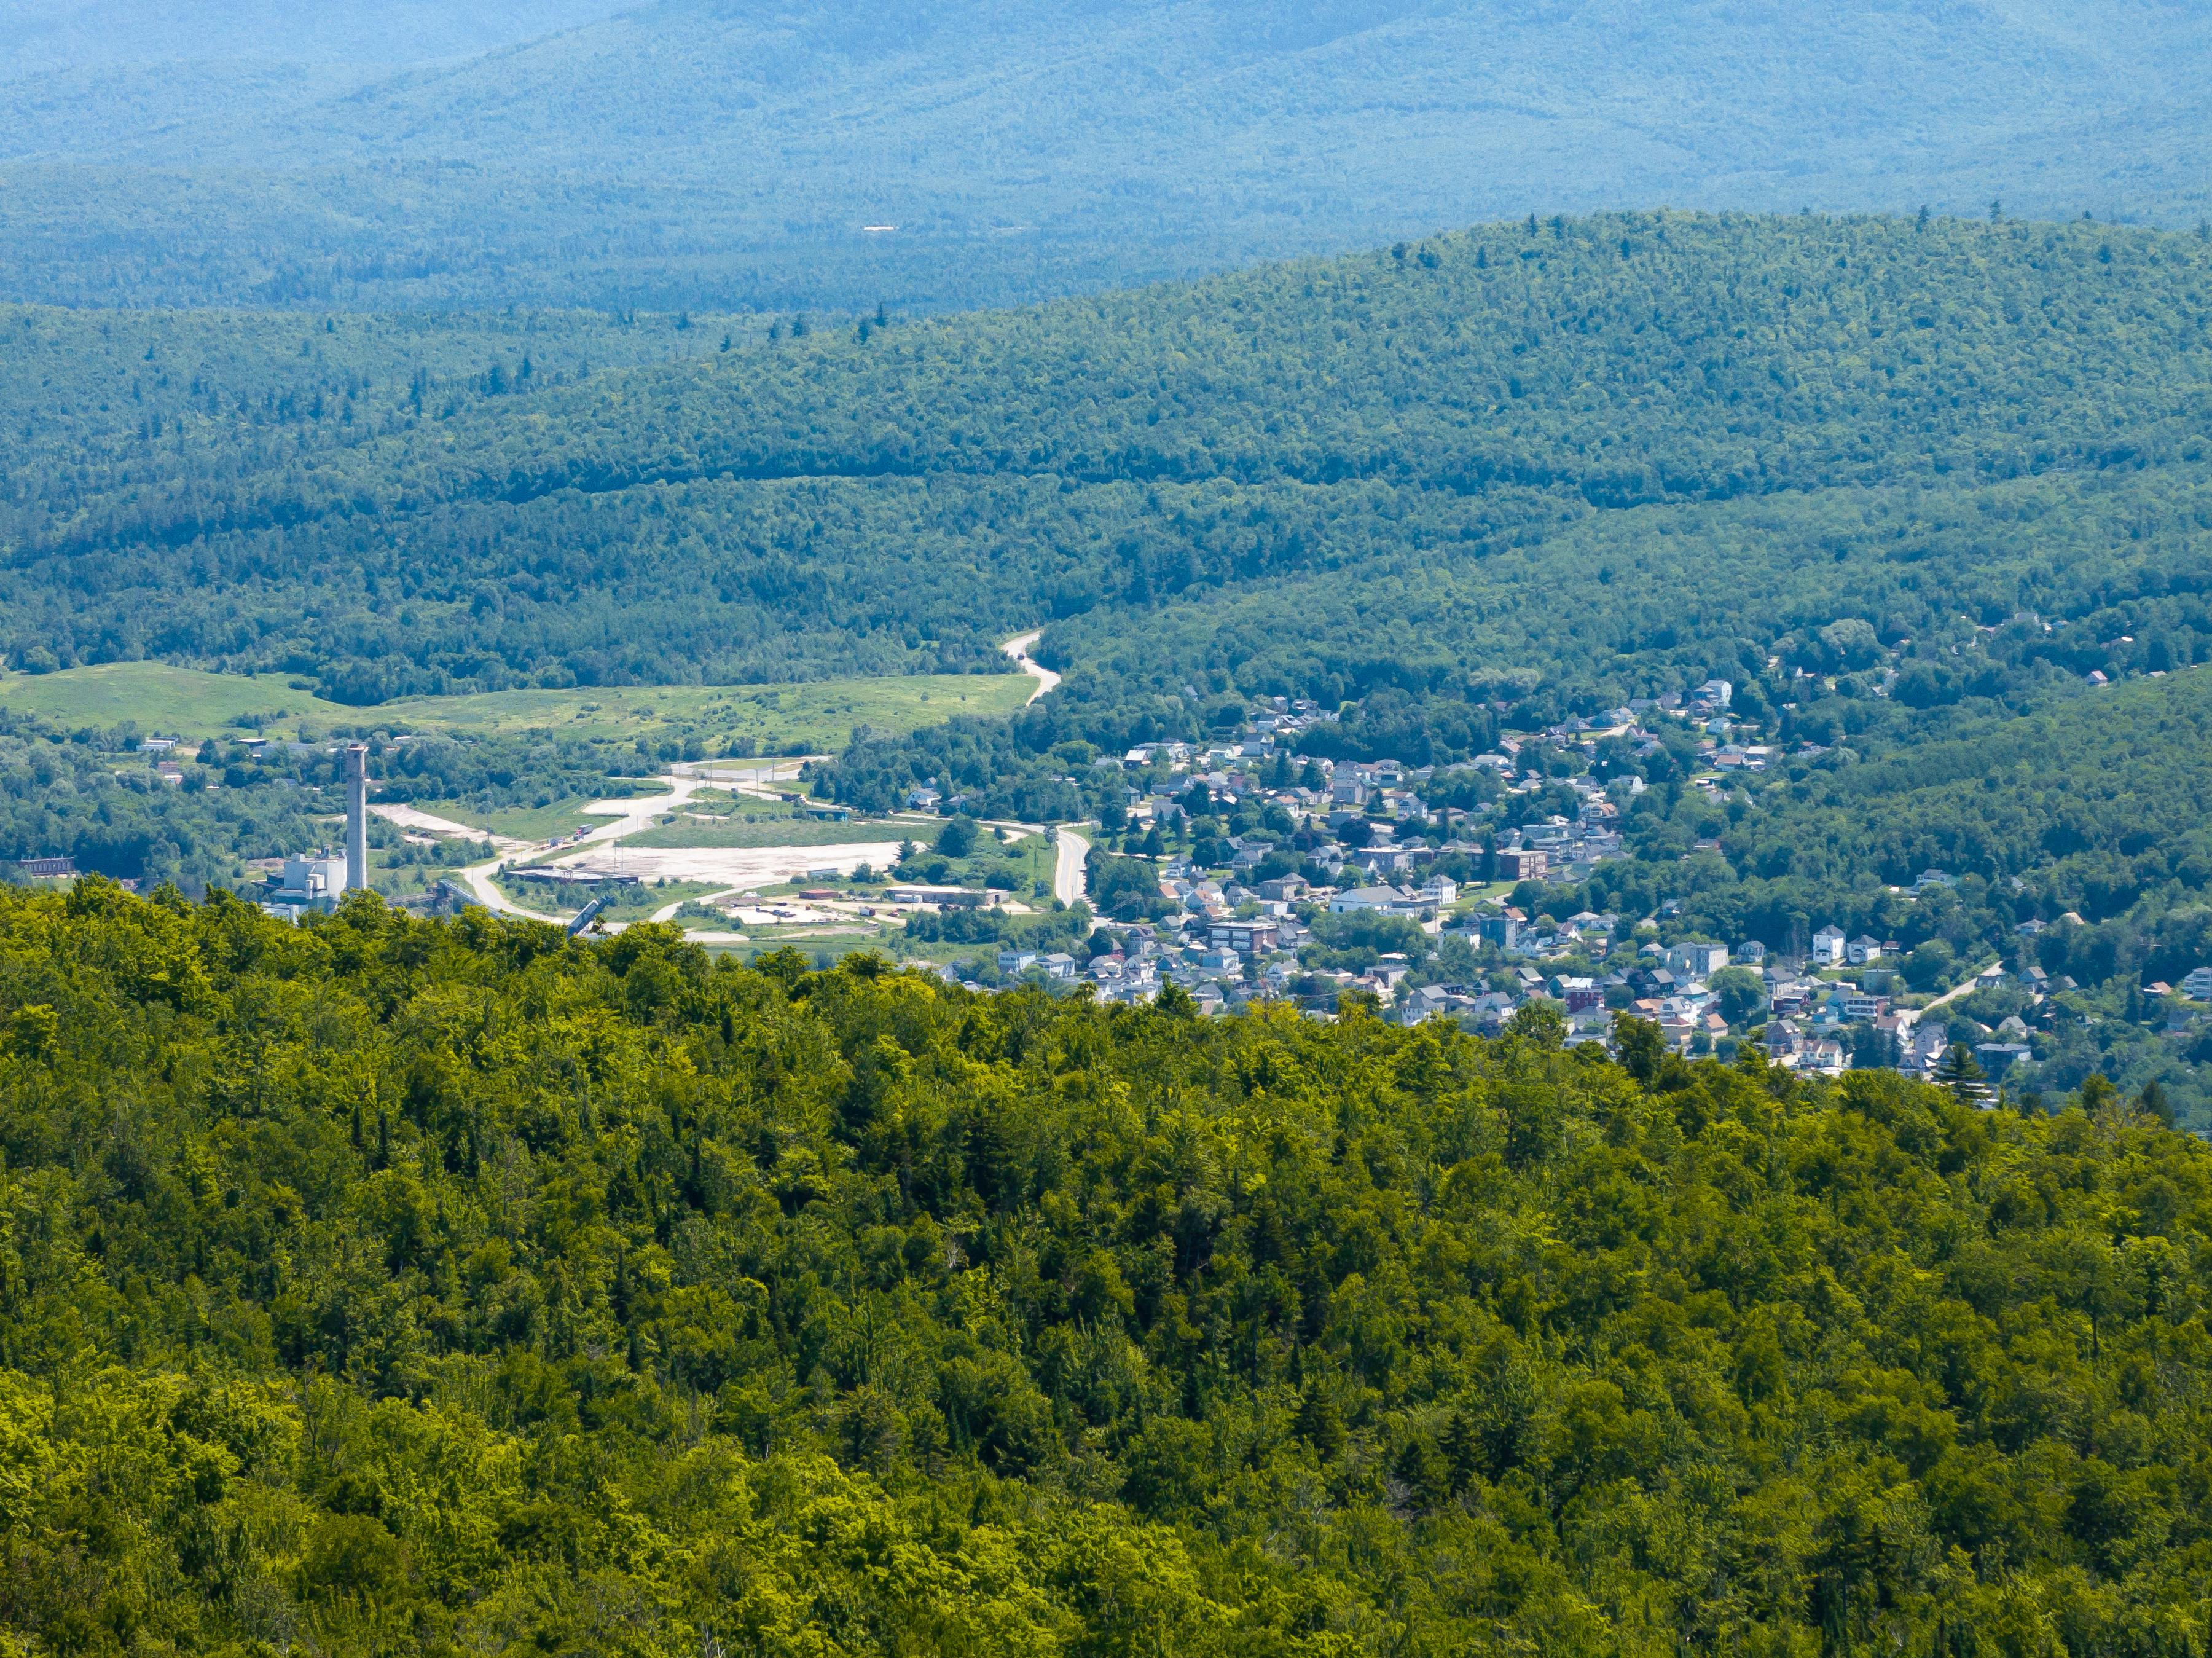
356	757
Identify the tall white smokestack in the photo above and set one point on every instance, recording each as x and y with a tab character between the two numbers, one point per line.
357	817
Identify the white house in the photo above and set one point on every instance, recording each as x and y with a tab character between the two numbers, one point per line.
1699	958
1365	898
1863	949
1828	946
2198	984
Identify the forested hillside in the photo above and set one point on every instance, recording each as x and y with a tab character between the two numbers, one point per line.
388	1285
141	400
1584	456
728	153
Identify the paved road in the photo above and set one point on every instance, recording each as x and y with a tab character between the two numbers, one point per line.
766	780
624	817
1068	874
1019	650
627	816
478	879
408	818
1957	990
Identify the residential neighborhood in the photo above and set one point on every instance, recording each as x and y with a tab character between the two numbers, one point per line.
1284	875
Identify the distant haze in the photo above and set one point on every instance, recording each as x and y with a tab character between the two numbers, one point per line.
708	153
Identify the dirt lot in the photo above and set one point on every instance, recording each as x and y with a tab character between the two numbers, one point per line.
737	866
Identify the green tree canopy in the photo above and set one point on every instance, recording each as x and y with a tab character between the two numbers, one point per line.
385	1285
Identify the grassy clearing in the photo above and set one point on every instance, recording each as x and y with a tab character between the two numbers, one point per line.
777	832
1027	860
162	699
523	822
815	716
729	804
535	823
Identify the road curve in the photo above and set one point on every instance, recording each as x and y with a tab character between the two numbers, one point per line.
1068	874
629	816
1019	650
1068	879
478	879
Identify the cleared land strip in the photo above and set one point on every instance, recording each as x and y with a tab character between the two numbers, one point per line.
735	866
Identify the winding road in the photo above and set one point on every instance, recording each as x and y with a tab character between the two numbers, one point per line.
1068	874
1019	650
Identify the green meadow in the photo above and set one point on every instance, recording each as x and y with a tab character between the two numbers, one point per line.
557	817
165	700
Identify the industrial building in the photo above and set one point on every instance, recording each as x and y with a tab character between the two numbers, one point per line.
317	881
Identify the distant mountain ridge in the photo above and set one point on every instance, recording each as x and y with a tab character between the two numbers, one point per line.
43	37
704	153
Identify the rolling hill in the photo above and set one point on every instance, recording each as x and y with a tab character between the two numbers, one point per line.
1594	455
715	154
1907	482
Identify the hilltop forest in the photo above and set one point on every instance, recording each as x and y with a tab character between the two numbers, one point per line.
383	1285
1572	460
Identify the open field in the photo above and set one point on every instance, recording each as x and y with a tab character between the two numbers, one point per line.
162	699
530	823
815	716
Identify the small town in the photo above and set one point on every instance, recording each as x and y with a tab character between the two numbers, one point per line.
1352	879
1258	867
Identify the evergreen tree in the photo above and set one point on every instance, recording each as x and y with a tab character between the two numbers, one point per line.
1960	1072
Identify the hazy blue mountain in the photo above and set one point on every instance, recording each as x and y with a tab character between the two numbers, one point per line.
45	36
112	80
711	153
